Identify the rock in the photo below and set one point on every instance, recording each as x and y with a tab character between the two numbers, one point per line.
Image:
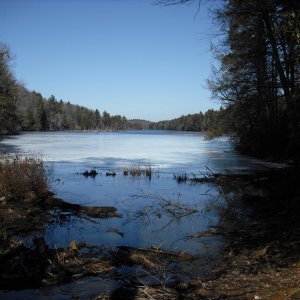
91	173
111	174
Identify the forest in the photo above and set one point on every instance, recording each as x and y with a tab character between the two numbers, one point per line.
208	122
23	110
257	83
258	75
258	80
198	222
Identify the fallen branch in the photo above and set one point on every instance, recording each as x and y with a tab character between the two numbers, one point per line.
80	210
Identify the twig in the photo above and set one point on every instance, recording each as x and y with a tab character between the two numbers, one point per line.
291	294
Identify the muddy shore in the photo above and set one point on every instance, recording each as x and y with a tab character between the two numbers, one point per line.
260	260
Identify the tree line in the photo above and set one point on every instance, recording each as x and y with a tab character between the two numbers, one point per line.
38	114
258	78
23	110
257	82
209	122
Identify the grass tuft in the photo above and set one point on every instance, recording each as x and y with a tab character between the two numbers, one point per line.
181	178
148	172
137	171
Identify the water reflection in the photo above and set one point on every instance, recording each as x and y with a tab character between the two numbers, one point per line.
157	212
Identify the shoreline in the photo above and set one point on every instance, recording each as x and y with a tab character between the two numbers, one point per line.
262	241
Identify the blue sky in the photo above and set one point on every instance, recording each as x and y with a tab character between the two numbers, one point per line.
128	57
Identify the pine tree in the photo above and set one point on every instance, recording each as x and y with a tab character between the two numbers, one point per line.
8	118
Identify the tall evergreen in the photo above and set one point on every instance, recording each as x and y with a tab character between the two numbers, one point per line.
23	110
8	117
259	77
258	80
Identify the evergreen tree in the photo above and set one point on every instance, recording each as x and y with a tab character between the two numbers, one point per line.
8	118
41	116
97	119
259	76
106	120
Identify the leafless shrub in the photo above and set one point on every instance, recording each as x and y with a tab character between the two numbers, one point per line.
22	177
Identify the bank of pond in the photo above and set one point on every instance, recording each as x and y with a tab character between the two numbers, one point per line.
144	215
256	253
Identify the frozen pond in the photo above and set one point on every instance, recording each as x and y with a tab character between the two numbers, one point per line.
155	212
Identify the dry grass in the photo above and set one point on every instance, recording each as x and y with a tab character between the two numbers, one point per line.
181	178
137	171
22	177
140	258
148	172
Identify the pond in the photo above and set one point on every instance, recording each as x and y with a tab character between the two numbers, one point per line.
154	211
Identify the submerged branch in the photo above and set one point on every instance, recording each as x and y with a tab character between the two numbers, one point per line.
80	210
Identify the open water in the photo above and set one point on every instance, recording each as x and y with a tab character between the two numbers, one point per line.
155	212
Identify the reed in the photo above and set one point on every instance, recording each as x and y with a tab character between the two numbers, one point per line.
22	176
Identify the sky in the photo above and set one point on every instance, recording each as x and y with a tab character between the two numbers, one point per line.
127	57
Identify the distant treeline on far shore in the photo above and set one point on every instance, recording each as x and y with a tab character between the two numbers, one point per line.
32	112
24	110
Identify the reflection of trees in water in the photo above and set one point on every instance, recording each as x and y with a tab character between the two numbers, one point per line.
162	213
172	210
163	207
69	225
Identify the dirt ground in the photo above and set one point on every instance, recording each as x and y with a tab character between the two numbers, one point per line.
261	227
